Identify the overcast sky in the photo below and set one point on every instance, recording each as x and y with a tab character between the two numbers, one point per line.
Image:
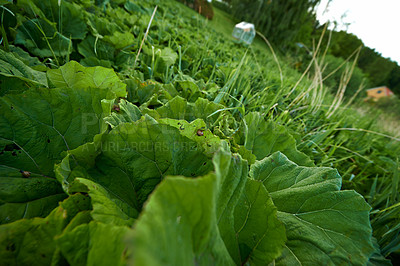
376	23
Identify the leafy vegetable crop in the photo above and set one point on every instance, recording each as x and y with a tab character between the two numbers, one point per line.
106	163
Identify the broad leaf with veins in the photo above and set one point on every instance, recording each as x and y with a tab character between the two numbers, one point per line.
39	124
132	159
325	226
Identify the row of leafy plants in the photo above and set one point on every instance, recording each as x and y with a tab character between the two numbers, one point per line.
186	152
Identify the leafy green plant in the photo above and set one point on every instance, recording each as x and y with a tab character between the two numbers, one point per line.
193	155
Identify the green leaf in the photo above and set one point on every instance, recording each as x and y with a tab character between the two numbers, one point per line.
132	159
96	48
12	85
266	137
180	108
143	92
12	67
67	17
94	244
120	40
38	125
168	56
104	209
196	131
180	215
75	76
42	39
27	59
324	225
261	236
133	8
31	241
247	218
101	26
126	113
94	61
27	197
188	88
193	220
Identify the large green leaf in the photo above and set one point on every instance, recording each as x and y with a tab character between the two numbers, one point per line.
193	220
196	131
38	125
12	85
94	244
178	225
12	67
179	108
148	92
27	197
247	218
266	137
132	159
31	241
120	40
73	75
42	39
67	17
324	226
104	209
260	235
168	56
125	112
92	47
27	59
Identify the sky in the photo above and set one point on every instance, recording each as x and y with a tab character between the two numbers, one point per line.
376	23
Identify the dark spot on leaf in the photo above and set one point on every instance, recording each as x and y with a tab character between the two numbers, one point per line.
48	140
43	255
12	107
14	153
11	147
11	247
204	163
